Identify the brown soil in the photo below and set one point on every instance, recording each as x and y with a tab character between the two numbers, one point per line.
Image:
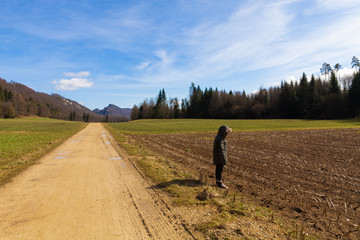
85	190
311	176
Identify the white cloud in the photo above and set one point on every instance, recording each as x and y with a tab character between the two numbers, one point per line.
142	65
276	84
290	79
257	37
157	68
344	72
77	75
255	91
165	59
336	5
75	82
218	50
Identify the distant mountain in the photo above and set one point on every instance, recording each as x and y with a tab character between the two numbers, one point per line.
114	111
17	100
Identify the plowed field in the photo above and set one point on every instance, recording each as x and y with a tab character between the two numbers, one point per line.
312	176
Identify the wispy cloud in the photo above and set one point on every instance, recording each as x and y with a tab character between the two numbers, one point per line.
142	65
258	36
75	82
115	28
239	43
78	75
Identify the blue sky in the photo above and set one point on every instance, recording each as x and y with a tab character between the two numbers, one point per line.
98	52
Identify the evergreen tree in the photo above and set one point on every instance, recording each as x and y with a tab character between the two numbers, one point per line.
184	107
334	84
325	69
141	112
288	101
160	109
304	96
314	99
205	103
355	63
337	68
354	95
86	117
176	108
333	100
72	115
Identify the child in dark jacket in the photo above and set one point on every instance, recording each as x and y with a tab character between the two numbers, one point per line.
220	153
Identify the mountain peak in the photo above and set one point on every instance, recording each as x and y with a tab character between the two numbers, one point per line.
114	111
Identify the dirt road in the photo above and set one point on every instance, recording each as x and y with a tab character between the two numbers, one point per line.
84	190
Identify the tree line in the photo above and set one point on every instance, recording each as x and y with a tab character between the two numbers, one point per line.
309	98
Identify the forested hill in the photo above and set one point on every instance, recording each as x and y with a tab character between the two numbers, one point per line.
19	100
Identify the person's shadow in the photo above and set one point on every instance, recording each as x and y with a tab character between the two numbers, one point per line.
180	182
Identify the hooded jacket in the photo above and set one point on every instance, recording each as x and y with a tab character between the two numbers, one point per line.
220	147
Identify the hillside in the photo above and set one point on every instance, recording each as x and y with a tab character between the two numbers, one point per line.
18	100
114	111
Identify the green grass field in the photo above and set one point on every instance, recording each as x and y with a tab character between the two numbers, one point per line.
24	140
212	125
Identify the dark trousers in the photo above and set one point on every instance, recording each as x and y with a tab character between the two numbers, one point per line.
219	171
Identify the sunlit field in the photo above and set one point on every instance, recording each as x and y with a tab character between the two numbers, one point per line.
24	140
211	125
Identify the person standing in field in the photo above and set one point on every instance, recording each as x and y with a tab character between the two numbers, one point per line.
220	151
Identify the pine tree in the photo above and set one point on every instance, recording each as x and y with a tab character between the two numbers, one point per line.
160	109
195	102
176	108
141	112
288	101
334	84
325	69
355	63
303	94
354	95
314	100
86	117
72	116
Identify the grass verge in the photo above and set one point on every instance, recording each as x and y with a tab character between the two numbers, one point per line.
25	140
214	213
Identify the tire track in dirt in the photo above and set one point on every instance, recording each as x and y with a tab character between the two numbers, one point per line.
85	190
